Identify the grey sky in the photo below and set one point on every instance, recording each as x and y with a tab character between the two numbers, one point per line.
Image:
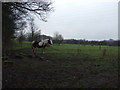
79	19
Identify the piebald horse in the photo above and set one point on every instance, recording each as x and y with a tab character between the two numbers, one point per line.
42	44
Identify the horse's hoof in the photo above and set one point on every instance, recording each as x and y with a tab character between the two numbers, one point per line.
40	58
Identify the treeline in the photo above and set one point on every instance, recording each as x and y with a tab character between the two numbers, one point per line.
28	37
109	42
60	40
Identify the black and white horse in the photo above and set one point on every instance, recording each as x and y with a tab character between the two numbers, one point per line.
42	44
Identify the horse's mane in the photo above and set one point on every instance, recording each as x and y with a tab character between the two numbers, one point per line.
45	39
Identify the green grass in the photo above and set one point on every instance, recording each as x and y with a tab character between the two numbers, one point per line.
17	45
67	65
70	48
75	51
90	54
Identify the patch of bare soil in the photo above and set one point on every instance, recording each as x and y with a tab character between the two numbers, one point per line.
46	71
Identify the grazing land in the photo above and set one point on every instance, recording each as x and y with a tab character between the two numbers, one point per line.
62	66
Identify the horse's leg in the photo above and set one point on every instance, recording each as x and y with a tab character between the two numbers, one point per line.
33	51
43	50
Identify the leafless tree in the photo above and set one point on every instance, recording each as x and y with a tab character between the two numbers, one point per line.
21	37
41	8
58	38
15	12
35	32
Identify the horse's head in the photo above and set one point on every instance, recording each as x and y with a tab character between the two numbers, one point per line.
50	41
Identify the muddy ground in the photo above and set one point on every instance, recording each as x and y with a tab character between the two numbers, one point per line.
50	71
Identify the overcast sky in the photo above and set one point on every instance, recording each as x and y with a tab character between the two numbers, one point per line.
82	19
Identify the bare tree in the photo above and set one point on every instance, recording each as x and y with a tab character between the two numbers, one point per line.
21	37
40	8
15	12
37	35
32	27
58	38
20	34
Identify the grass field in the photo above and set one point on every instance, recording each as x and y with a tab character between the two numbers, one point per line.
62	66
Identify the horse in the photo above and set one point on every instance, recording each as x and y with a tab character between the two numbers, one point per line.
41	44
